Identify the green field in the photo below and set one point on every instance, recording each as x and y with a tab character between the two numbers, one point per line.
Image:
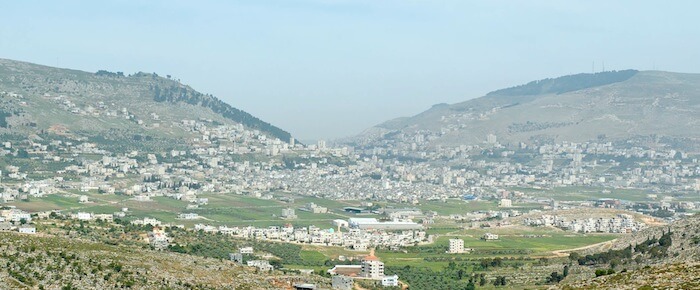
457	206
433	256
49	202
582	193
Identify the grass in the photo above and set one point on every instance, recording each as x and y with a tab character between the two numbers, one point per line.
455	206
334	252
536	247
582	193
312	256
49	202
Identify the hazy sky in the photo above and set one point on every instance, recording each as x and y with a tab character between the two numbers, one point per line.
327	69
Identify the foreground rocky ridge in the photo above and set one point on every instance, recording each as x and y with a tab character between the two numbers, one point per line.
31	262
673	266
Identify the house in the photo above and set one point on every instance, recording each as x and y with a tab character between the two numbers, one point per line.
147	221
288	213
18	216
83	216
390	281
263	265
188	216
236	257
27	230
371	267
246	250
505	203
456	246
104	217
142	198
490	237
158	239
314	208
5	226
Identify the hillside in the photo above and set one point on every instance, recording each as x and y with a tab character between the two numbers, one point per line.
655	258
142	107
31	262
608	106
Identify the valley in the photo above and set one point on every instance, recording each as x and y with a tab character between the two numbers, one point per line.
489	193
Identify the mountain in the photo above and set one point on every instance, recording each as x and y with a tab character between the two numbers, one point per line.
110	107
609	106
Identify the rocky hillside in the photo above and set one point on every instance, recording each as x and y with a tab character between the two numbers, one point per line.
684	235
654	105
671	276
37	99
656	258
31	262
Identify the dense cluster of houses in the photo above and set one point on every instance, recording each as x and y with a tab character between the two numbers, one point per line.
355	239
623	223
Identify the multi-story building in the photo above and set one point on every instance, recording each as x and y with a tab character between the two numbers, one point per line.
456	246
288	213
371	267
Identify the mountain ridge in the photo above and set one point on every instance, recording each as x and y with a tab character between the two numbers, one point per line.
604	106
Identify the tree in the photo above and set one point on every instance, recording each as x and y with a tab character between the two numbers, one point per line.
500	281
601	272
574	256
470	286
22	154
555	277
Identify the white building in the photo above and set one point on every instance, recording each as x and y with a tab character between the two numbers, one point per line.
505	203
27	230
263	265
84	216
147	221
490	237
373	223
371	267
390	281
288	213
188	216
491	139
142	198
158	239
314	208
456	246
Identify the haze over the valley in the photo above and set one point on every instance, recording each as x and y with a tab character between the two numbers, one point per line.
327	69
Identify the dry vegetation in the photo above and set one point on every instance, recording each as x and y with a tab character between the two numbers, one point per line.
33	262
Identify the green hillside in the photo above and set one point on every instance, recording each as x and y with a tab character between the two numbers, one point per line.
38	99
